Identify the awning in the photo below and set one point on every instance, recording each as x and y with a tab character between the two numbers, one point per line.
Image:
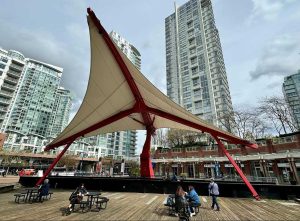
120	98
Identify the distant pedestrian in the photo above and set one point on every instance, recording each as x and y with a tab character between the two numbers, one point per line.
213	190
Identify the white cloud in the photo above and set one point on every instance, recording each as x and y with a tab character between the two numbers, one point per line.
267	9
279	58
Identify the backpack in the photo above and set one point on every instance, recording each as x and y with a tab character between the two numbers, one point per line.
74	194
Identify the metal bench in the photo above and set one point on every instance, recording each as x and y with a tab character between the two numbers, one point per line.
197	208
19	196
101	202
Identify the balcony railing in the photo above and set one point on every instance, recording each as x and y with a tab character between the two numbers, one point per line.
6	94
11	80
234	178
13	73
4	101
16	67
8	86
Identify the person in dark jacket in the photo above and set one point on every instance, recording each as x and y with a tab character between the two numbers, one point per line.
43	190
213	190
193	199
180	200
76	197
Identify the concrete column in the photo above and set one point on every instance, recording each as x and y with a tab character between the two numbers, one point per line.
276	170
262	164
247	168
294	170
222	168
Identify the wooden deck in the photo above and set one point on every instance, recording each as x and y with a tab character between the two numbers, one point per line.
147	206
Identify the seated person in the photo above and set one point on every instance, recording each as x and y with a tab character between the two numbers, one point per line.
180	200
174	178
193	199
43	190
76	197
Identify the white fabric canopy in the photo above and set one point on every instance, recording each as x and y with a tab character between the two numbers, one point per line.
108	94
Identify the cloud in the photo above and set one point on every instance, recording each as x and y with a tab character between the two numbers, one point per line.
279	58
267	9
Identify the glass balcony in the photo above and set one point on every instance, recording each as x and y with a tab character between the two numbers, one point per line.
13	74
9	87
11	80
6	94
5	101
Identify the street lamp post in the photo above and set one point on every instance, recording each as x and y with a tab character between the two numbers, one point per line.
81	155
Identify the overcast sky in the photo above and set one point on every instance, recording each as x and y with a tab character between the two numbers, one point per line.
260	39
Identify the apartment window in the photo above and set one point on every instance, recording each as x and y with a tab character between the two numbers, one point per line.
197	93
190	24
191	41
192	51
198	105
196	81
194	70
193	61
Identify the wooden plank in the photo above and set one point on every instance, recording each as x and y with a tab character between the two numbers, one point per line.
147	206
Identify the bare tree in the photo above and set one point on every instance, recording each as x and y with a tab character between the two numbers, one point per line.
179	138
160	138
175	137
247	124
68	161
276	110
227	121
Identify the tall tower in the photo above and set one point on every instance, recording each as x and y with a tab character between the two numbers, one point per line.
291	91
61	111
196	75
32	105
12	64
33	109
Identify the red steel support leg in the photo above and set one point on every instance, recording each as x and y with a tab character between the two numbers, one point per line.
240	172
146	165
53	164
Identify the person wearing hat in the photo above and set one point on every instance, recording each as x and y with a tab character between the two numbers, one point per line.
213	191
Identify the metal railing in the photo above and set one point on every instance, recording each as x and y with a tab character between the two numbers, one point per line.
250	178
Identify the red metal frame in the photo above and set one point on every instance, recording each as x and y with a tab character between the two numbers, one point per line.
126	73
53	164
146	165
172	117
140	104
237	168
96	126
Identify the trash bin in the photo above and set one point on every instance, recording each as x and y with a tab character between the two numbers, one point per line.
40	173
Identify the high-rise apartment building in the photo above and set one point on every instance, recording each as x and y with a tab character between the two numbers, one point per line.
128	49
291	91
34	106
33	111
62	107
196	75
12	64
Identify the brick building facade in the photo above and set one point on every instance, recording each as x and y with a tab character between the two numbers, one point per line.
275	160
